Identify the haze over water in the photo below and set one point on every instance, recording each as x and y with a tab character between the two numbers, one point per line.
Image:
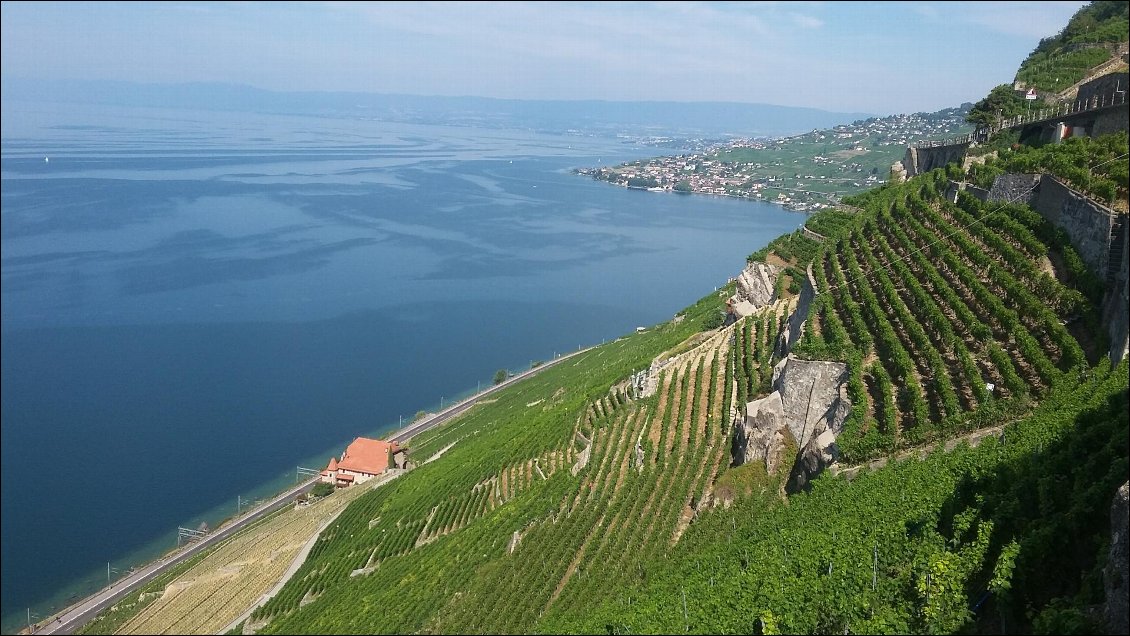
194	303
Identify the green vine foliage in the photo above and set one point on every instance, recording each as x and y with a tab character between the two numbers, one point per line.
1095	166
1003	447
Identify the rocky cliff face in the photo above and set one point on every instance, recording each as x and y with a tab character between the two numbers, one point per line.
757	287
798	316
1115	575
761	435
805	412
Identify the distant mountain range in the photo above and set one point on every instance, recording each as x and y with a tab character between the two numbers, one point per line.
683	119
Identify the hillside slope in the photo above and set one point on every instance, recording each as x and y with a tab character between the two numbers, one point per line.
661	483
581	489
1095	37
643	487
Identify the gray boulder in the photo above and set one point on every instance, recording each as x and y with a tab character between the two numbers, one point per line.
756	288
796	425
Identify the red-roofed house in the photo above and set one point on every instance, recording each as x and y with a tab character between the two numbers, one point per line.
362	460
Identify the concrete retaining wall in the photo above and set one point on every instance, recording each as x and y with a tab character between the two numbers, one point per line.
1015	188
1110	121
1116	307
1103	85
981	193
1087	222
955	187
922	160
1099	234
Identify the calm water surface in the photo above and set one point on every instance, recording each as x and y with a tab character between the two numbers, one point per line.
196	303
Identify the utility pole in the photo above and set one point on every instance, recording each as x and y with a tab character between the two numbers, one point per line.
686	622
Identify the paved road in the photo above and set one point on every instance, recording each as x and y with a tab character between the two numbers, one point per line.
77	615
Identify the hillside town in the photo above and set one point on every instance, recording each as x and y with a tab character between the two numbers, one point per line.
805	173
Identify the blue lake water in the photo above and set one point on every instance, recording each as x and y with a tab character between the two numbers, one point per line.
194	303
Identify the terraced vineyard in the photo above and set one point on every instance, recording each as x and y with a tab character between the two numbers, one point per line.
215	591
585	482
525	488
945	314
1006	536
599	496
618	491
630	504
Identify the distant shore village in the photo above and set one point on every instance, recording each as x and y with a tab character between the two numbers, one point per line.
362	460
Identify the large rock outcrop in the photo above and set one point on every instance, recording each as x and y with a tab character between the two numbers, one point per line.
795	426
582	457
1116	611
761	436
799	315
757	287
898	172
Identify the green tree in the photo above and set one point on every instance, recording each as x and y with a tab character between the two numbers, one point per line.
1002	102
713	320
642	182
500	376
321	489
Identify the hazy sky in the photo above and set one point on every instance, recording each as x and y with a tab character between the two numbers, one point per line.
878	57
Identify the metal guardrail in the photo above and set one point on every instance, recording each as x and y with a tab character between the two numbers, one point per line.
1095	102
952	141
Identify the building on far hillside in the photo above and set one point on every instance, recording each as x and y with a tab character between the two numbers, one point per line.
362	460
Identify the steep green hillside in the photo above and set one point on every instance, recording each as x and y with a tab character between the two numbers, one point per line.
926	301
978	539
1097	167
433	537
1062	60
986	437
1090	44
949	297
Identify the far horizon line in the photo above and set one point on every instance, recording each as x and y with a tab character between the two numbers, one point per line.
341	92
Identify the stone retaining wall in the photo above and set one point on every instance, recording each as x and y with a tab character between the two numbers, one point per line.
1099	234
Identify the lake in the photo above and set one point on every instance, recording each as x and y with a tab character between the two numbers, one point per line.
195	303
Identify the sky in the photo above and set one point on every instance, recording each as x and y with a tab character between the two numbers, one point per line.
874	57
